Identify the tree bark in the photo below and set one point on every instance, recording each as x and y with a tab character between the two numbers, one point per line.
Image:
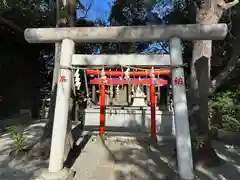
200	70
42	148
11	25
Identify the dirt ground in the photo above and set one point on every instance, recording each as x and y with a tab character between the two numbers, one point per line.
118	158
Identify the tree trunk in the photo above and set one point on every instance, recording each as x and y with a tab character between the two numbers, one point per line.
42	148
200	75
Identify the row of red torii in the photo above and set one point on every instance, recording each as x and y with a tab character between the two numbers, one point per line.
152	78
173	61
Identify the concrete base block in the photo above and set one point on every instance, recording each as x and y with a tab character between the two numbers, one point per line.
64	174
132	120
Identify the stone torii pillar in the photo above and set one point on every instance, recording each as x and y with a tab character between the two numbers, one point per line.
121	34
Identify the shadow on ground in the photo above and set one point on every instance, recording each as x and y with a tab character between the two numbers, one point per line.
142	161
156	162
12	169
81	140
20	169
230	166
132	159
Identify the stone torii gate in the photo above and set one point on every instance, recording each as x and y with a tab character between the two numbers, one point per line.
68	37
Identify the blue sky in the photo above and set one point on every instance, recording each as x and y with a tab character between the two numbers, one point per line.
98	9
101	9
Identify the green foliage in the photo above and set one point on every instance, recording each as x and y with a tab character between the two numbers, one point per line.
17	135
227	104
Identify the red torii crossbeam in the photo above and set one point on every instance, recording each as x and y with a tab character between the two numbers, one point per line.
109	81
130	73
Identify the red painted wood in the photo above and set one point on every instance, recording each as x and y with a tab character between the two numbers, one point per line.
109	81
153	110
130	73
102	109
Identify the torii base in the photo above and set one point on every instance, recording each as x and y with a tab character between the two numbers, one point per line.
64	174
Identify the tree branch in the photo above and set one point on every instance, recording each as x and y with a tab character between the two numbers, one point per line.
217	81
86	9
11	25
232	63
229	5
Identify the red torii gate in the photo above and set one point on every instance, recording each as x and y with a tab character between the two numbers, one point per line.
149	81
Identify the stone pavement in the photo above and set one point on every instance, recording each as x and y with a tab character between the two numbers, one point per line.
121	158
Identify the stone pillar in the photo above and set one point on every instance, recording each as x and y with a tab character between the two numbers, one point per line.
61	110
183	141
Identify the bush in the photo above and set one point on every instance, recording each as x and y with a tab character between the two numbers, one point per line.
18	138
226	104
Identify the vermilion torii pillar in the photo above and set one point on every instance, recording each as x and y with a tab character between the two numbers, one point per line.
173	33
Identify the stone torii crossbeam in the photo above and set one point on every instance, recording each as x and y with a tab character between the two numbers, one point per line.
68	37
